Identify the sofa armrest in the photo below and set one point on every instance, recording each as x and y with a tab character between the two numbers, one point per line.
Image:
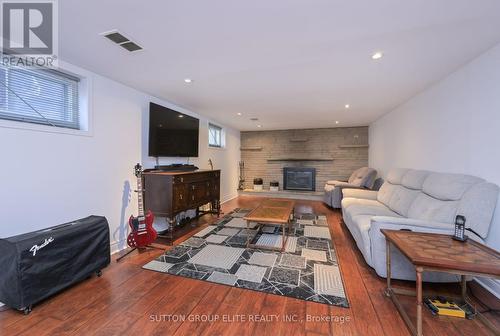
335	182
359	193
378	243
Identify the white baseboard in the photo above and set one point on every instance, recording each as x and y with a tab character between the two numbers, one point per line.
228	198
114	246
491	285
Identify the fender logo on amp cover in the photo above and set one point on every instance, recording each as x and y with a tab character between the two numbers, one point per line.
35	248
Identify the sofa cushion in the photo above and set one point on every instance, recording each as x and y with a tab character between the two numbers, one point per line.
448	187
348	201
401	199
385	193
370	209
414	179
395	175
427	208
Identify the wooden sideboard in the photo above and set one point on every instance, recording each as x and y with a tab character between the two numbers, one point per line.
167	194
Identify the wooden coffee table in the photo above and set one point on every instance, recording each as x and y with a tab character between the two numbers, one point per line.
271	211
438	253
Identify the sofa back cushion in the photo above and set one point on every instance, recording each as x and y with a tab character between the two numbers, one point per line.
430	209
363	177
394	194
395	175
439	197
478	206
385	193
401	200
449	187
414	179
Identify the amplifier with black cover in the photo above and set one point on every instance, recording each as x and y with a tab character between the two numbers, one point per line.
39	264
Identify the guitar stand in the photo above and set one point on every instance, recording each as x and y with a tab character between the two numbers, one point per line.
138	248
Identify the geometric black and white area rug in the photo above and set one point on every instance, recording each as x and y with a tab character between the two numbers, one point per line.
307	270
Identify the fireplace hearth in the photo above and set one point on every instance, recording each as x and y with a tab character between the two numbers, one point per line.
299	178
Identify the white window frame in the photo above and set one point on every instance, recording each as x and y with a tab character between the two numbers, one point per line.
222	136
84	102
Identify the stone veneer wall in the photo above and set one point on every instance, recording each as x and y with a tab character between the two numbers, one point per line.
299	144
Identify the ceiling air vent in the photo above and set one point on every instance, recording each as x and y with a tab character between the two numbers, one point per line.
124	42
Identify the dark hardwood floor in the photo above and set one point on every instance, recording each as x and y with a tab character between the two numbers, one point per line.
128	300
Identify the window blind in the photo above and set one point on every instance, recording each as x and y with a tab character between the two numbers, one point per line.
41	96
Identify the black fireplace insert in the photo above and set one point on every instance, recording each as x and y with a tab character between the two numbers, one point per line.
299	178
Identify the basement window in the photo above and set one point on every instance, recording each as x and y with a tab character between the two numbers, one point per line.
215	136
39	96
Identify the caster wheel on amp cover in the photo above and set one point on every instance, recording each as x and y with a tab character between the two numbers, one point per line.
27	310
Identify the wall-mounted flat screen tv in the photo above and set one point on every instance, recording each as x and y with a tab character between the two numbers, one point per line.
172	133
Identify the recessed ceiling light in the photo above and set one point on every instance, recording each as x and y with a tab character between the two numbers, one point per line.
239	113
259	126
337	122
377	55
188	80
181	116
347	105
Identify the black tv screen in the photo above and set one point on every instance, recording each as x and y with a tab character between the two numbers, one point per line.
172	133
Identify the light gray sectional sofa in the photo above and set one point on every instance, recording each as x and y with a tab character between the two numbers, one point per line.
416	200
362	178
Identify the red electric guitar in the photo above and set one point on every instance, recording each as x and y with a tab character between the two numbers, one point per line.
142	232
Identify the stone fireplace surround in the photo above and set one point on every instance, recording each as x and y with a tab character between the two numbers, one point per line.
334	152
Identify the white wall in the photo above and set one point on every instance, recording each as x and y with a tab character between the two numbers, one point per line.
452	127
52	178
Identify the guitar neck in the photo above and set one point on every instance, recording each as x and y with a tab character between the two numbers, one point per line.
140	196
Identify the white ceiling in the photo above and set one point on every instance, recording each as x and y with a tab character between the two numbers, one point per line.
290	63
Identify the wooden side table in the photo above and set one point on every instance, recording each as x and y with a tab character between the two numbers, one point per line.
431	252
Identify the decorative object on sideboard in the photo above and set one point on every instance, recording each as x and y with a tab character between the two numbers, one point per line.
258	184
274	186
241	180
210	164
